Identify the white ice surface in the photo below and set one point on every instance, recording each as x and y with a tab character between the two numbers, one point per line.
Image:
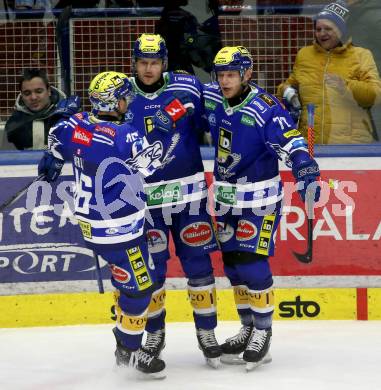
313	355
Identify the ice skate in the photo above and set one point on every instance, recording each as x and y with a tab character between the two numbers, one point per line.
257	350
155	342
142	360
233	347
209	346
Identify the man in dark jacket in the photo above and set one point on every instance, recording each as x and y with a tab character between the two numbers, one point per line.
28	126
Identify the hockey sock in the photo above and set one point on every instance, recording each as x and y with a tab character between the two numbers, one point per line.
262	306
156	311
131	319
241	299
202	296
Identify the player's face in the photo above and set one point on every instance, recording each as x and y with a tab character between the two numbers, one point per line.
149	70
35	94
122	105
327	34
231	83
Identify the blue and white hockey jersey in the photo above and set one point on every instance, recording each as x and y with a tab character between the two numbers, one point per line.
180	179
109	161
249	139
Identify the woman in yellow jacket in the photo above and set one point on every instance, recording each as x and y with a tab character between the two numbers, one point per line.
340	79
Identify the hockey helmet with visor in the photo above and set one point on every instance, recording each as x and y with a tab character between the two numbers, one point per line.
107	88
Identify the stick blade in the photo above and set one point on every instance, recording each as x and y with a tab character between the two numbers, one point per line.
303	257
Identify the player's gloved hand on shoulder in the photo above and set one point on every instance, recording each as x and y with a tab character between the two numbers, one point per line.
67	107
306	172
292	103
50	166
173	111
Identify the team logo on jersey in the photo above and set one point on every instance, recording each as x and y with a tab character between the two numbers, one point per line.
165	193
225	167
120	274
267	99
139	268
259	105
224	233
85	228
146	157
292	133
210	104
81	136
246	230
157	240
196	234
212	119
225	139
264	239
106	130
129	116
79	115
247	120
226	194
148	124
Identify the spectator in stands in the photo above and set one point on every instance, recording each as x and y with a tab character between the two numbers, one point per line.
189	43
340	79
28	126
367	13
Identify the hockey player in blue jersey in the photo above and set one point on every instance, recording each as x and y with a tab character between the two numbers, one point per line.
251	131
110	159
176	196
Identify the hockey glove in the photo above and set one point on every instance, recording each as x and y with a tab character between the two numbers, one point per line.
306	172
50	166
67	107
292	103
173	111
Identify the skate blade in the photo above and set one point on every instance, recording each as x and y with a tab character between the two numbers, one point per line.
133	372
250	366
153	375
232	359
213	362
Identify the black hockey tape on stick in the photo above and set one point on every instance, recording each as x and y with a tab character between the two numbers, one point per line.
14	198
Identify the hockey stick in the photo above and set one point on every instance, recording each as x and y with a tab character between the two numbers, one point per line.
306	257
14	198
99	275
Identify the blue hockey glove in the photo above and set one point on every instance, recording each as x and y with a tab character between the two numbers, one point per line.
306	171
173	111
50	166
67	107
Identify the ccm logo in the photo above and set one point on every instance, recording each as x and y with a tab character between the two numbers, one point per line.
299	308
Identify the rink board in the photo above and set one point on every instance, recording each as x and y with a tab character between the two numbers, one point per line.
46	245
94	308
44	263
